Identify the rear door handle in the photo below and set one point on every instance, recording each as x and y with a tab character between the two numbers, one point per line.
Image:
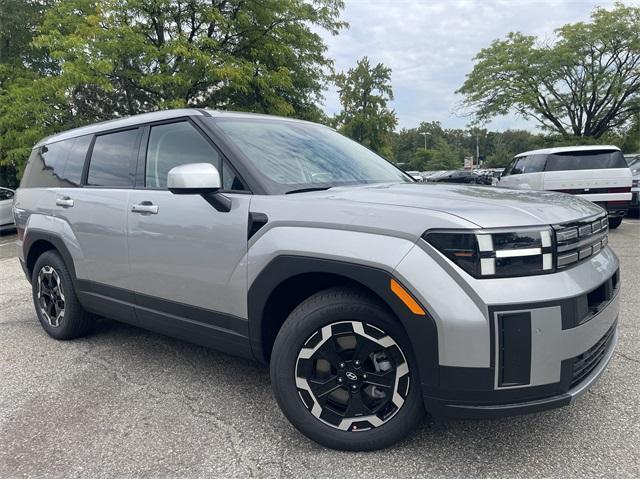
145	207
64	201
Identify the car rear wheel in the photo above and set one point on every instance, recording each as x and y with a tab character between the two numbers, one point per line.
343	372
615	222
55	300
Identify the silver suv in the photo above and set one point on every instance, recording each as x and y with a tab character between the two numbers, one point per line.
372	297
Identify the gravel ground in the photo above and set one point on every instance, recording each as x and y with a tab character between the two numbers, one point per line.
126	402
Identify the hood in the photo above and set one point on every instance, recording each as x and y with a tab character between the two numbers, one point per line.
485	206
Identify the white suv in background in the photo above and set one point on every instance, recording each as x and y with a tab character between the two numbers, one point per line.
598	173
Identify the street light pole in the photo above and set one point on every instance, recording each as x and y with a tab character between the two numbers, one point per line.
425	133
477	149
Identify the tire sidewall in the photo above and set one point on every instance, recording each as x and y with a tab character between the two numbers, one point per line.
71	307
300	325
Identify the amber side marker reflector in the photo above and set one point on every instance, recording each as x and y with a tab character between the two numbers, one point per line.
406	298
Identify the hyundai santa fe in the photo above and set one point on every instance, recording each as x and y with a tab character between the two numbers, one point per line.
373	298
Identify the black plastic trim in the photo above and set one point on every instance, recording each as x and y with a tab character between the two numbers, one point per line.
514	349
256	221
34	235
201	326
420	329
438	407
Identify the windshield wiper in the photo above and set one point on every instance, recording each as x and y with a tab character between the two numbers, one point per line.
305	190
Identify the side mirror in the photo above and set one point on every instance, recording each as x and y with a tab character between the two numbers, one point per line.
199	179
193	178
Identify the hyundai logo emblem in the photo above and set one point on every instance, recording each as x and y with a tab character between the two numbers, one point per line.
351	376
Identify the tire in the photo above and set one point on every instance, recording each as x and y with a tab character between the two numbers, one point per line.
615	222
67	320
336	314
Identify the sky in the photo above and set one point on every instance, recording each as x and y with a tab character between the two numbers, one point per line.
430	46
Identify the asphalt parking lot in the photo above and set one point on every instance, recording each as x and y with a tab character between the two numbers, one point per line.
129	403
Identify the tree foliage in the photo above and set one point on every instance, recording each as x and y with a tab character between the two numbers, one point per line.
583	84
364	94
80	61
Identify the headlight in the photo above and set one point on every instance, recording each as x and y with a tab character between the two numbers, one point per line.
635	183
497	253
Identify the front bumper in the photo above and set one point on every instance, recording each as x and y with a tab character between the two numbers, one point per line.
469	409
516	345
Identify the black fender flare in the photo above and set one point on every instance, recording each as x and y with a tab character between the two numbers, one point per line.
421	330
34	235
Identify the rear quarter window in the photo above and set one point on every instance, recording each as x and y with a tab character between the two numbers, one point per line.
56	165
585	160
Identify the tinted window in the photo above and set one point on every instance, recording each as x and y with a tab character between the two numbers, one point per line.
46	165
509	168
518	165
180	143
111	159
75	160
292	155
5	194
534	163
173	145
585	160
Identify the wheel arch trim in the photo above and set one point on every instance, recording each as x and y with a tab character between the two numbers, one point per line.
421	330
33	235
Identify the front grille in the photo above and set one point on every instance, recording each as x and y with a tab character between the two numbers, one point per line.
580	240
584	364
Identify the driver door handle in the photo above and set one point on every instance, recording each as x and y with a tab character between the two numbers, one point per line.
64	201
146	207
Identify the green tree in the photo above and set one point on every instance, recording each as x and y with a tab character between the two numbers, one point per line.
583	84
99	59
364	94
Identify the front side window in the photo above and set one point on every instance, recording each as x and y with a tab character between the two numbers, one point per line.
176	144
517	168
534	164
5	194
111	159
291	155
173	145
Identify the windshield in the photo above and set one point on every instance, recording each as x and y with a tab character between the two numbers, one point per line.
296	156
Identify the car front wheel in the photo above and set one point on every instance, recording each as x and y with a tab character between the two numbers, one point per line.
343	372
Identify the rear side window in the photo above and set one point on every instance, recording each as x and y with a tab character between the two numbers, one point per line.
111	159
585	160
534	164
74	165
